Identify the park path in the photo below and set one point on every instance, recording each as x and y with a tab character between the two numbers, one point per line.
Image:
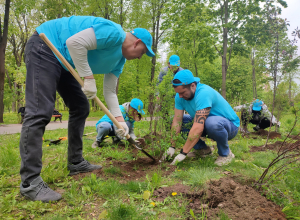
16	128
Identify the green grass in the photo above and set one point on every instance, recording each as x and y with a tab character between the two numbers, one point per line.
123	200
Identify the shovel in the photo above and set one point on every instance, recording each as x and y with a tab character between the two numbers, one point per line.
96	99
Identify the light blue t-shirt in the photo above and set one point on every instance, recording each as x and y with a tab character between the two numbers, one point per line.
107	58
105	118
205	97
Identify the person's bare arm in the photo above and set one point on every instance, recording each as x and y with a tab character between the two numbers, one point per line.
196	130
176	124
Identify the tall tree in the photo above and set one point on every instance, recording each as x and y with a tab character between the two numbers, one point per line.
3	43
228	16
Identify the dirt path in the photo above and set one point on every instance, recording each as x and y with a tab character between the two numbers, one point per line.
16	128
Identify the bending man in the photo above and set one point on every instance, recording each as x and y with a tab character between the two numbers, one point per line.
94	46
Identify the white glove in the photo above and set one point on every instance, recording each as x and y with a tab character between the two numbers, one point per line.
180	157
89	88
120	133
169	153
132	135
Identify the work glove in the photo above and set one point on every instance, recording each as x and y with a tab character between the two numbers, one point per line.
180	157
132	135
89	88
169	153
120	133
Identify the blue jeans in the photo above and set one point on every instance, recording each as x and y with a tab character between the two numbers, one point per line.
105	128
217	128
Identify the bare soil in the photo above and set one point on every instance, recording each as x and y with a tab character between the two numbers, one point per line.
236	200
264	133
131	170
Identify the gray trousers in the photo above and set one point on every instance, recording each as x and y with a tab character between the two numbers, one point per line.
45	76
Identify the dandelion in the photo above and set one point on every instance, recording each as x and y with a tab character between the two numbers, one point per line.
178	170
153	203
174	193
47	145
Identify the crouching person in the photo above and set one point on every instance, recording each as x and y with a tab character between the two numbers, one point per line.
209	113
131	111
256	113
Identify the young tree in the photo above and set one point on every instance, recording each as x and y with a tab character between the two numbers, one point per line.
3	43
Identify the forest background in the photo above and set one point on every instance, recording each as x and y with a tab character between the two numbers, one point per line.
239	48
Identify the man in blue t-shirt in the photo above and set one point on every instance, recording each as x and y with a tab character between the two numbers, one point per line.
92	45
209	113
132	111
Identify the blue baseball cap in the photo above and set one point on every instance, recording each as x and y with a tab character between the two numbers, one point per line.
145	37
257	105
186	77
138	105
174	60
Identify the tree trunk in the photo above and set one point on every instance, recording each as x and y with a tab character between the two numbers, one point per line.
225	42
253	74
3	43
290	90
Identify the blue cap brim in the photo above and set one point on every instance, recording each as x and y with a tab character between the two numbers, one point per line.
150	53
197	79
141	112
174	64
256	108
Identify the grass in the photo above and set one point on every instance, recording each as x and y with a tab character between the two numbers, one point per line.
91	197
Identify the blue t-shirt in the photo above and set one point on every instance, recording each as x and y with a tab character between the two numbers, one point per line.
107	58
205	97
105	118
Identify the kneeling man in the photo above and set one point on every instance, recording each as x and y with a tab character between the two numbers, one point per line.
209	114
131	111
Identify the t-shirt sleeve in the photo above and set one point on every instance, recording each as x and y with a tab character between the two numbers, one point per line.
119	68
123	111
204	100
107	35
178	104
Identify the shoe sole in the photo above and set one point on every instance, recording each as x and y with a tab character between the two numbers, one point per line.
85	171
28	198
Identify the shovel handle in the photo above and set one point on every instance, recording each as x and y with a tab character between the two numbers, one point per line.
79	80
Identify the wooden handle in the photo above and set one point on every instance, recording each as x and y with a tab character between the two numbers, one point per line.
77	77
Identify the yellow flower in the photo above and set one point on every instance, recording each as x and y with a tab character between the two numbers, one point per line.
152	203
178	170
47	145
174	193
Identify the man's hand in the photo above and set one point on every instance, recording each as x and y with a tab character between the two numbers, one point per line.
89	88
180	157
169	153
120	133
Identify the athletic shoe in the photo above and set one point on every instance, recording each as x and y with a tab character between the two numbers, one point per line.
82	167
39	191
201	153
96	144
220	161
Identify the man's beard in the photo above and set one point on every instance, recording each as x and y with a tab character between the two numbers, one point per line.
192	95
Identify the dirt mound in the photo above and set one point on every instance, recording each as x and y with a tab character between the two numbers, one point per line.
274	146
234	199
264	133
131	170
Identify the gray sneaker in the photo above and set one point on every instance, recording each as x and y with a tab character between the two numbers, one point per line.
201	153
82	167
39	191
220	161
96	144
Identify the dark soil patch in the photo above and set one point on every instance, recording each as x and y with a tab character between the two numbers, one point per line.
264	134
234	199
274	146
131	170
